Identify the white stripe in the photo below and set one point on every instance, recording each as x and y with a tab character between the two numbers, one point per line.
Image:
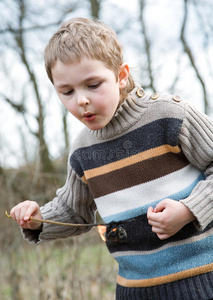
143	194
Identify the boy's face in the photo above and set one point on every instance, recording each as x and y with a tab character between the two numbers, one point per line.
89	90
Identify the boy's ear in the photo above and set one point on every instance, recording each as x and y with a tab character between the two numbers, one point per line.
123	75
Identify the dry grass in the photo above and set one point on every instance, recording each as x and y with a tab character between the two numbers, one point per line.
78	268
73	269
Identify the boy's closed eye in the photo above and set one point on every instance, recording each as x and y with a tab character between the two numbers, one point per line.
94	86
68	93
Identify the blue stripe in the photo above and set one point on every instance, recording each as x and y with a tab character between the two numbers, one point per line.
154	134
143	209
168	261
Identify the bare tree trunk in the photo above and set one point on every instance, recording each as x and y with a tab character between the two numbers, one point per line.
46	164
188	51
95	8
142	4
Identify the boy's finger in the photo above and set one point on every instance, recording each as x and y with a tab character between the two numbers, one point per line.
13	213
22	212
160	206
30	211
153	216
163	236
158	230
149	212
153	223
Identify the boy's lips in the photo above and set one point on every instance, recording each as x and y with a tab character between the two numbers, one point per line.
89	116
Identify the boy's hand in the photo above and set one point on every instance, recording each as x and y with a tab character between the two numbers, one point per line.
168	217
22	212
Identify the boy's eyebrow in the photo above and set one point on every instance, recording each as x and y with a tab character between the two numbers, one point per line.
61	85
66	85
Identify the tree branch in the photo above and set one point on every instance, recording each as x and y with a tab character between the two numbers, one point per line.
188	51
18	107
27	29
147	44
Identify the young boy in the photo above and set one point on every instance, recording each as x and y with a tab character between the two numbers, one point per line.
144	161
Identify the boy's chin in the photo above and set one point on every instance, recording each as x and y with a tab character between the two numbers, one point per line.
94	126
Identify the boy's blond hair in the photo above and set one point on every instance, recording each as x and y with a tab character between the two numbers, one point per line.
81	37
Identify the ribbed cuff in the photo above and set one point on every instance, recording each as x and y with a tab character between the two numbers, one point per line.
200	204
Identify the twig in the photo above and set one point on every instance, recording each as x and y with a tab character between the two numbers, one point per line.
59	223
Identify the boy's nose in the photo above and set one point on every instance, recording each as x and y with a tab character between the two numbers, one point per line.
82	100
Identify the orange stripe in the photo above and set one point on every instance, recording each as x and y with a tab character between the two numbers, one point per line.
165	279
130	161
84	179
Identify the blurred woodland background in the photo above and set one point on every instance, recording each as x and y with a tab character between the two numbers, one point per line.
169	47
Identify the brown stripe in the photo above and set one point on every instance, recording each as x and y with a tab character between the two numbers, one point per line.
137	173
131	160
165	279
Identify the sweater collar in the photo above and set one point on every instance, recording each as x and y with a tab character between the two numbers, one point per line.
127	114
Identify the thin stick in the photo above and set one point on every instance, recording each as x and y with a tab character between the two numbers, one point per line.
59	223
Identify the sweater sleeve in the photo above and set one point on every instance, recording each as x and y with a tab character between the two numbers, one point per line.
73	204
196	140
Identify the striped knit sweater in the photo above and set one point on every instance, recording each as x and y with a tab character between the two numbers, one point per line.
155	147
